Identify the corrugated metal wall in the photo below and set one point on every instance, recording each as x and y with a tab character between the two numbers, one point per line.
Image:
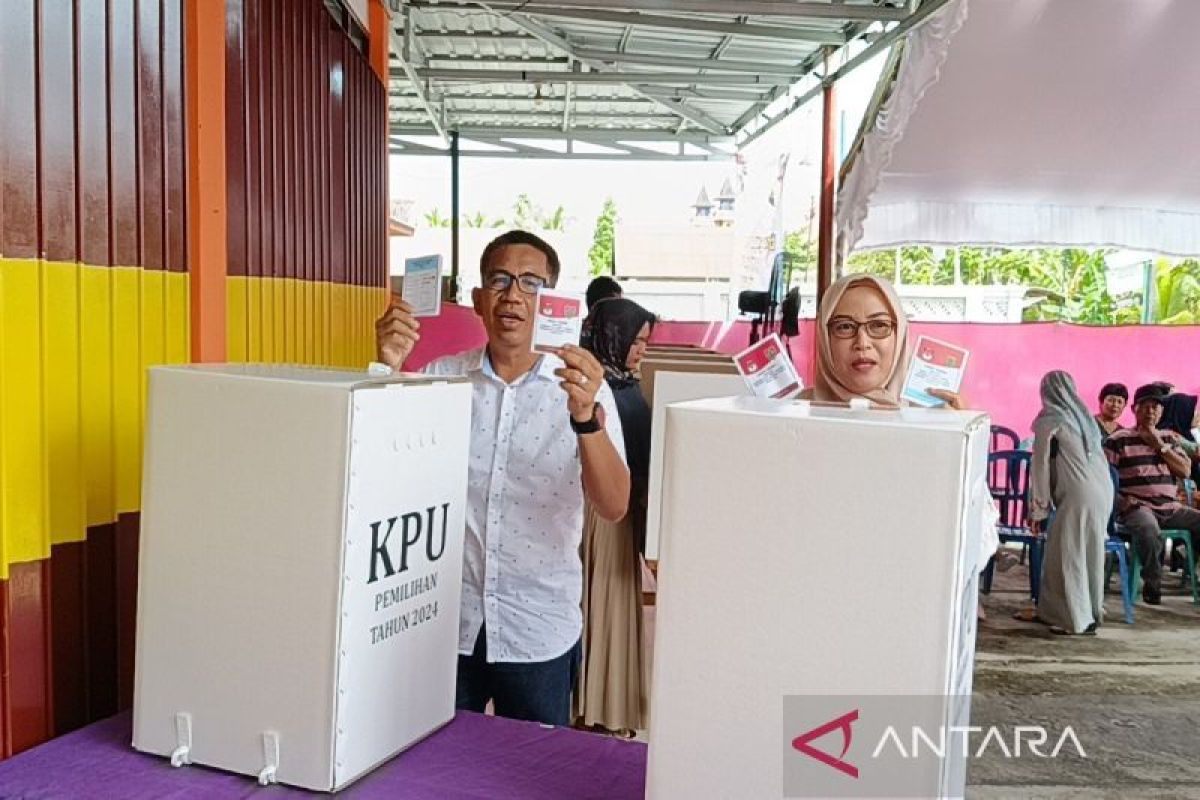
93	288
307	159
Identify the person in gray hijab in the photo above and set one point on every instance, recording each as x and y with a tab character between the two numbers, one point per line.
1070	476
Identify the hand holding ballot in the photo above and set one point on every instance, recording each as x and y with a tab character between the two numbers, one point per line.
582	378
396	334
935	374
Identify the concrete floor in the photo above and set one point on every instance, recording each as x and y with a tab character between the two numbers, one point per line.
1131	694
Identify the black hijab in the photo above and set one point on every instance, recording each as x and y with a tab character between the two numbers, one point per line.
615	325
1178	412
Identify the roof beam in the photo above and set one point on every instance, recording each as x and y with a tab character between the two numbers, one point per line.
475	36
787	33
682	62
553	39
565	76
566	120
516	61
926	10
837	10
402	51
486	133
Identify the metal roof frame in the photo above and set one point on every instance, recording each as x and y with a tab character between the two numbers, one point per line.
697	77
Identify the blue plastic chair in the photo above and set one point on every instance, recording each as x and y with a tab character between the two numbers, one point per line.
1115	545
1004	439
1008	480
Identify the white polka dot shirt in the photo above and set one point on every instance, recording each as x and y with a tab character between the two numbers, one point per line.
521	570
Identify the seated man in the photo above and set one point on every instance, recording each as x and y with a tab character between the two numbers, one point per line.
1149	462
1113	399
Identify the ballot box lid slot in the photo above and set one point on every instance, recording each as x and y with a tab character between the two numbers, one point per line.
933	419
343	379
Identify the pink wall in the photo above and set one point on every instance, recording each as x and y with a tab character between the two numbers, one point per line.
1007	361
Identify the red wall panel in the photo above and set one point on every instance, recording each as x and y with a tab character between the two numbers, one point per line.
306	147
92	174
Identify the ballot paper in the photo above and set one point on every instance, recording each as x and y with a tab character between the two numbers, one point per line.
422	285
768	370
559	320
935	365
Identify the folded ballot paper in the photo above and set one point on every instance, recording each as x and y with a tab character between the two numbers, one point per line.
768	370
558	321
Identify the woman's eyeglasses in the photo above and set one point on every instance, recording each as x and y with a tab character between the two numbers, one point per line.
848	328
499	281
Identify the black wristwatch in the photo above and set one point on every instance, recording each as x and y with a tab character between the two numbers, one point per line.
591	426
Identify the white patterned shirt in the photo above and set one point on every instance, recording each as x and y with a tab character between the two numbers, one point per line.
521	570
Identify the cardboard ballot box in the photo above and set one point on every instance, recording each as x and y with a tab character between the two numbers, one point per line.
815	562
669	386
300	568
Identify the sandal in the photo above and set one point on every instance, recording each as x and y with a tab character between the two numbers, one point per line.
1089	631
1026	615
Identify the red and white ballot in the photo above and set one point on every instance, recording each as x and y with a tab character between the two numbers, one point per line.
935	365
558	321
768	370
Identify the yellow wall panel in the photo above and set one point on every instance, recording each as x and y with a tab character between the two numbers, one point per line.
178	309
127	386
254	320
292	321
96	392
65	495
276	321
22	458
310	322
235	320
153	321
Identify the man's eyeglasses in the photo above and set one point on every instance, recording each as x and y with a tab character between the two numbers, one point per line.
848	328
499	281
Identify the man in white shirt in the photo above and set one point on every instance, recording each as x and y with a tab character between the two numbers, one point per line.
533	463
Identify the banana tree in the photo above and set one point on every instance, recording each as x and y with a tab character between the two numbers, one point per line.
1178	293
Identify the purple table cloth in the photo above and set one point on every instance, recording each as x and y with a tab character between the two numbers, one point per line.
475	757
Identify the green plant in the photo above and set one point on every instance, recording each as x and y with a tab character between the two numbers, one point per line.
434	219
602	253
556	220
1178	292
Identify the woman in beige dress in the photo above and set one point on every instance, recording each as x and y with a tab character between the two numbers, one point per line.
611	692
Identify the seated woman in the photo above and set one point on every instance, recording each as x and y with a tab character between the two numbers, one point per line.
1113	399
611	690
1069	474
1181	414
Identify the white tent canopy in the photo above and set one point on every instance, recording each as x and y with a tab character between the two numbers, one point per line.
1037	122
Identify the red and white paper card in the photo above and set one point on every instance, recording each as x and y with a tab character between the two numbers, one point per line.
935	365
558	321
768	370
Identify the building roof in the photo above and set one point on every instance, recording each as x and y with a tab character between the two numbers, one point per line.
679	79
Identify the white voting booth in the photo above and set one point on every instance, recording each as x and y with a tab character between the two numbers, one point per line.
675	387
300	568
809	553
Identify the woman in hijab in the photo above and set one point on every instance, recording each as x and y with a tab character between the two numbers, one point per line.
611	692
1180	415
1070	475
862	345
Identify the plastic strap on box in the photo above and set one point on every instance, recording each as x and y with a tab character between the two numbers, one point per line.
183	740
266	775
